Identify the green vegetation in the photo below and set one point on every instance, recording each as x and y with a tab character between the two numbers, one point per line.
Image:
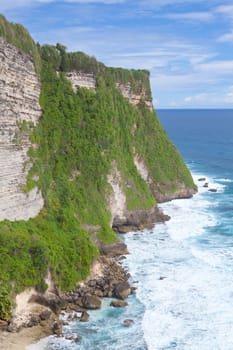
18	36
5	304
80	136
159	154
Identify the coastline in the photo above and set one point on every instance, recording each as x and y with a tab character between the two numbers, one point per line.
25	336
107	279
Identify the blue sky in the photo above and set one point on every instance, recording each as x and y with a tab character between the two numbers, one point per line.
186	44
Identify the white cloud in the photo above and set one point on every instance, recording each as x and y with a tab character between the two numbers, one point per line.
12	5
228	37
191	16
214	99
229	95
217	67
225	9
160	3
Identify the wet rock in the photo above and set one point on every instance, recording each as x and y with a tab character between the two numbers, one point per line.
206	185
128	322
118	303
212	190
84	317
122	290
138	220
74	338
91	302
161	278
133	290
202	179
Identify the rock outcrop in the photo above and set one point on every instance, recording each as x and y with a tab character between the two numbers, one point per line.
19	112
135	98
162	192
80	79
124	220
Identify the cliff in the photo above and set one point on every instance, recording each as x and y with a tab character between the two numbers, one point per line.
19	111
82	141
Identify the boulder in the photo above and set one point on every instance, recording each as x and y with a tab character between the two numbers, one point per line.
74	338
72	317
202	179
118	303
128	322
206	185
84	317
212	190
74	307
122	290
92	283
91	302
114	249
57	328
45	315
33	321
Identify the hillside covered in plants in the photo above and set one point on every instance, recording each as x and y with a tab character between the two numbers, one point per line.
87	143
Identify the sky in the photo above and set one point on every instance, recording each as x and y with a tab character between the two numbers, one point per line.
187	45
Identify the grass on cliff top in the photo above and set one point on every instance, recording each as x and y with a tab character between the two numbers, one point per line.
19	37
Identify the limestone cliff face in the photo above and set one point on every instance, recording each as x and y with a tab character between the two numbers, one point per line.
19	110
80	79
162	191
124	220
135	98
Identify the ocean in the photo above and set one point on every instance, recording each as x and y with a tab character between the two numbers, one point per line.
183	269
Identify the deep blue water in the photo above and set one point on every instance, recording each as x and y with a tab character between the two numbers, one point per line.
184	267
202	136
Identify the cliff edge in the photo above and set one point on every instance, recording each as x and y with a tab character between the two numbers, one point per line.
82	155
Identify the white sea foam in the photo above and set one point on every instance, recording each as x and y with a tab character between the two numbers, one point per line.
212	183
191	217
186	286
225	180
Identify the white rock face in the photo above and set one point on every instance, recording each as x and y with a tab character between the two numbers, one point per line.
19	102
142	169
80	79
133	98
117	200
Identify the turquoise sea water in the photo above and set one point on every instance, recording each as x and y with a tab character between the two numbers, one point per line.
184	268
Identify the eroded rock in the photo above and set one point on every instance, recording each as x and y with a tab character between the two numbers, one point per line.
122	290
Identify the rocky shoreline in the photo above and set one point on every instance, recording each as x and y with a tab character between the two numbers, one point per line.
107	279
41	315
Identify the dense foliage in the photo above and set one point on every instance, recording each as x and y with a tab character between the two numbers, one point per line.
80	136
